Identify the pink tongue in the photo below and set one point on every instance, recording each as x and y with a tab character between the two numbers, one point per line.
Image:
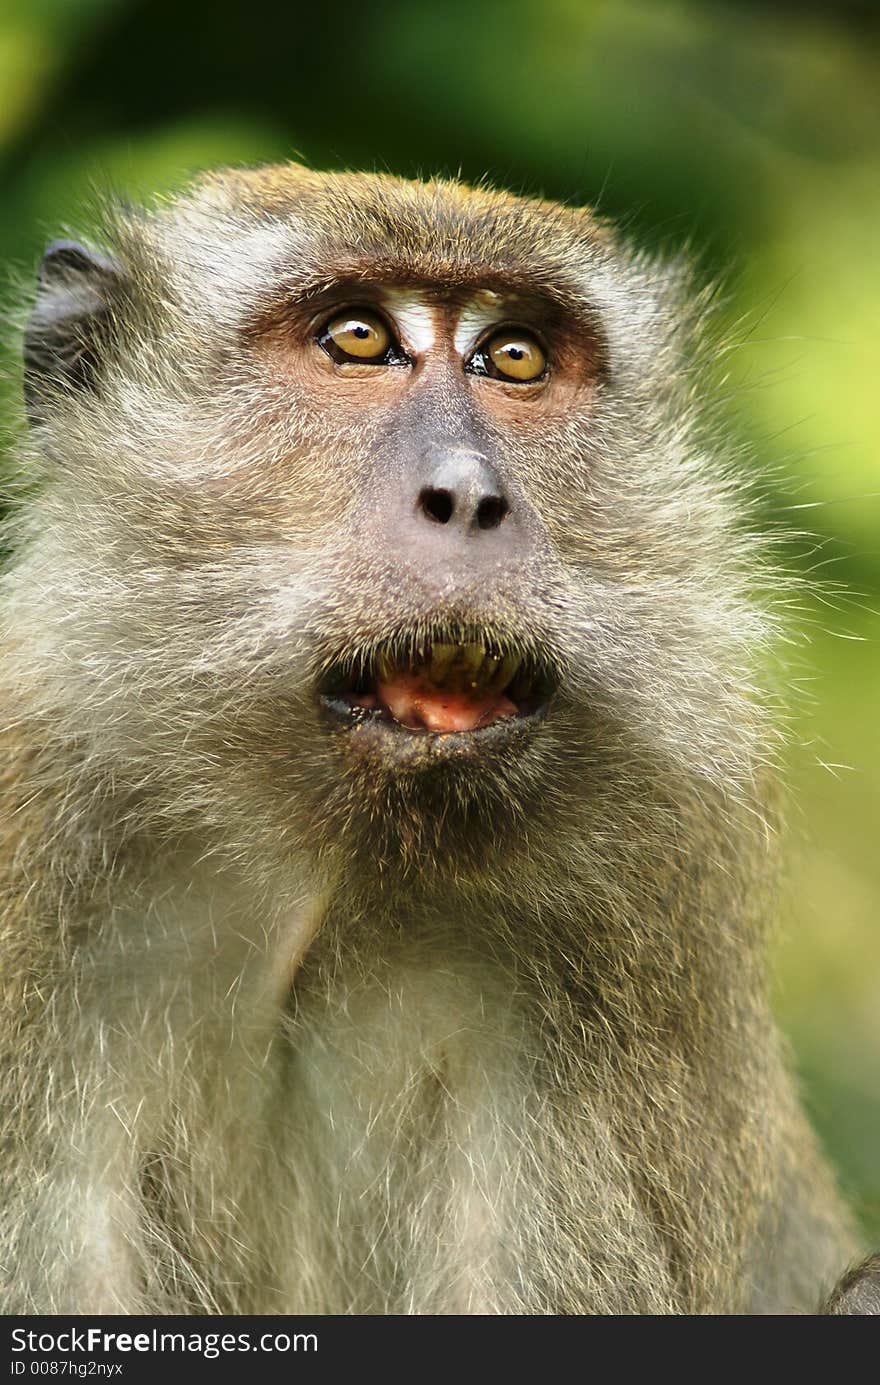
418	704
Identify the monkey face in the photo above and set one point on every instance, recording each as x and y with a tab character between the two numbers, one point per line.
399	507
453	668
451	372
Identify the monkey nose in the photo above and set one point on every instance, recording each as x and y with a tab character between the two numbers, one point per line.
454	518
463	492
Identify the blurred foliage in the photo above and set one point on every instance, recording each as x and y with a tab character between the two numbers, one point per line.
751	131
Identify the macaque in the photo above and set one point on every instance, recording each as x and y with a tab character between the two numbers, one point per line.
388	815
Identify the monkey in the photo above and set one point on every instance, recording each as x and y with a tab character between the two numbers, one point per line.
389	821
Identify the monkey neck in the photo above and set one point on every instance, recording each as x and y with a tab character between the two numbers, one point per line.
624	1007
599	983
605	900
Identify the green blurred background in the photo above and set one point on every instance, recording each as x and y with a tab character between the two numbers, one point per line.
749	131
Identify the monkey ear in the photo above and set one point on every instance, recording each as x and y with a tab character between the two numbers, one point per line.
69	323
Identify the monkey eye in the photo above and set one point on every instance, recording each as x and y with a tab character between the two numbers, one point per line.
357	334
509	354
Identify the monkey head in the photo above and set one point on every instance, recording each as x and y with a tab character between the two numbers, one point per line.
388	513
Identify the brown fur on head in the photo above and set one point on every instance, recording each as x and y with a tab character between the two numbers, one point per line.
233	488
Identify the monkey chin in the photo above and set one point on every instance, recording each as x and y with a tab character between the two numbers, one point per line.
417	703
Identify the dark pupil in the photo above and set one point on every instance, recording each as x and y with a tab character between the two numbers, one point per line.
515	353
361	331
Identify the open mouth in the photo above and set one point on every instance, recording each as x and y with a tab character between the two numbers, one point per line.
442	688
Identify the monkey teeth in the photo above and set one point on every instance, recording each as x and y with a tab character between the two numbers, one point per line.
468	668
450	687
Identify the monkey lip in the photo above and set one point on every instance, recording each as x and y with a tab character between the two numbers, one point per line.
459	689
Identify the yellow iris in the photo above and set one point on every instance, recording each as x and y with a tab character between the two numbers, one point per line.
361	335
516	356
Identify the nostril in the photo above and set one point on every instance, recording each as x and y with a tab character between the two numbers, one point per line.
491	511
438	505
